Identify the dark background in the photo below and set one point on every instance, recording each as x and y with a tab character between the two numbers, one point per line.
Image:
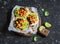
53	6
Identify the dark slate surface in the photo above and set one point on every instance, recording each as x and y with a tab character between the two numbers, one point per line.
53	6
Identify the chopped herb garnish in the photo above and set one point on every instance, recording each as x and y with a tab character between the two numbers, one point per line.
48	25
41	28
35	38
42	9
46	13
